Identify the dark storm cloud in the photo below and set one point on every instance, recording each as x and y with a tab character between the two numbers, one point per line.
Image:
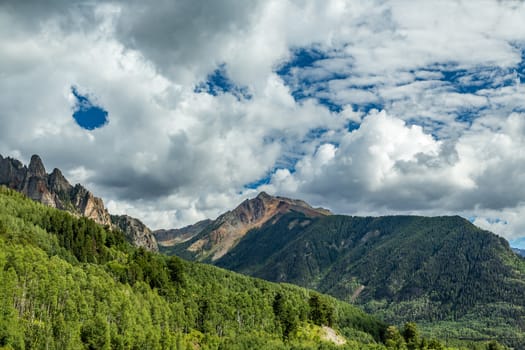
179	168
183	32
31	14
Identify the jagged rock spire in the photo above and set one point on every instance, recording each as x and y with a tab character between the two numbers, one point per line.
58	183
55	191
36	166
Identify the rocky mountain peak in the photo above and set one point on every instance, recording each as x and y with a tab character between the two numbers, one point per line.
135	230
55	191
58	183
36	166
277	204
229	228
264	196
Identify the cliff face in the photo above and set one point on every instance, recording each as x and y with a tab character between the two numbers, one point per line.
51	189
139	234
55	191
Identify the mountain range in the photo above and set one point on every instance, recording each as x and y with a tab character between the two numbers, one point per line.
456	280
55	191
69	283
440	271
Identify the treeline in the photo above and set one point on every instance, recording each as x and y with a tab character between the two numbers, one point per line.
67	283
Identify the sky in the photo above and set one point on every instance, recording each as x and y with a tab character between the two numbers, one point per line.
176	111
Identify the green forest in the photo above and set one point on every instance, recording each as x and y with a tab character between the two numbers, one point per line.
68	283
452	278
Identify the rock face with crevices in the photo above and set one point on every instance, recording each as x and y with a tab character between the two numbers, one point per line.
139	234
55	191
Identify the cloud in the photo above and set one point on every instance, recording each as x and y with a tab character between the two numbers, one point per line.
368	107
387	166
185	38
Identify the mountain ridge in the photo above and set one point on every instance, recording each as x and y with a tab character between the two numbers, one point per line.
434	270
54	190
68	283
221	235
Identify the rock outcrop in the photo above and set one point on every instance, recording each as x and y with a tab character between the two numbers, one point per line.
55	191
139	234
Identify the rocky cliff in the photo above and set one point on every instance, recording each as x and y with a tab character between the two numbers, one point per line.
55	191
138	233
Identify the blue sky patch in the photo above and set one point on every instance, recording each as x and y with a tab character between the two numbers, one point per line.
351	126
88	115
255	184
521	67
301	58
518	243
218	82
472	81
429	125
307	75
313	73
295	74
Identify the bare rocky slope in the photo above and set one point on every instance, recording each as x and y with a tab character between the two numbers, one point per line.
211	240
55	191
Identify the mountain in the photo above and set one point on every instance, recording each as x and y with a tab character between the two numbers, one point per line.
55	191
51	189
209	241
519	251
68	283
135	231
393	258
443	272
168	238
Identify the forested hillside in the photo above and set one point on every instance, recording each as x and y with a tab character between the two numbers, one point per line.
443	272
69	284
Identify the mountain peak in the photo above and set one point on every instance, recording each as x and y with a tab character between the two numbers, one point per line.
263	195
226	231
36	166
58	183
55	191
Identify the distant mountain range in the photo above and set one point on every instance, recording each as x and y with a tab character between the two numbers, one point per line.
519	251
55	191
428	269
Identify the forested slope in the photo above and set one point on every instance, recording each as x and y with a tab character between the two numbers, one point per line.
443	271
69	284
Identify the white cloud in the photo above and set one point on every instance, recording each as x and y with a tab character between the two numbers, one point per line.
172	156
386	166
